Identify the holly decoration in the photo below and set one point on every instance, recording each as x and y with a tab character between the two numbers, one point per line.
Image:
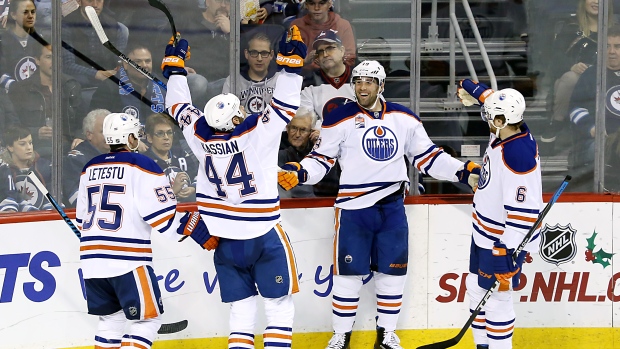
600	257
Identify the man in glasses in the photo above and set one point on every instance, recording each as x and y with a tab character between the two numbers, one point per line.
258	78
320	17
179	167
369	139
329	86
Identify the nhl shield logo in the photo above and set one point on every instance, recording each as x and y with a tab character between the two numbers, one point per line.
557	244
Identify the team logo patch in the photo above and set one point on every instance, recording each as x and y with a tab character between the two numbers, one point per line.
279	279
380	143
130	110
359	121
25	68
29	191
255	104
133	311
612	100
557	244
220	105
348	258
485	172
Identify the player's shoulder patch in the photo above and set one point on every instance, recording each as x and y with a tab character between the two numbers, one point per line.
340	114
395	107
520	154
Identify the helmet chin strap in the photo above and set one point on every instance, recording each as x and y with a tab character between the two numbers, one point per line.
137	145
497	129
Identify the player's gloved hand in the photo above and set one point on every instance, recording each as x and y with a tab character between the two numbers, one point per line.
472	92
291	175
174	60
469	174
194	227
292	51
503	265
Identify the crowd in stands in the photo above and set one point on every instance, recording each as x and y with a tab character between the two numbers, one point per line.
96	82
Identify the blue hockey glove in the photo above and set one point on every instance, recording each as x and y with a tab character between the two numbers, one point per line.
469	174
174	60
503	265
292	51
194	227
472	92
291	175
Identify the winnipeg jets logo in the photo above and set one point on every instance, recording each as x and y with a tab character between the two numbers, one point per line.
612	100
255	104
380	143
24	68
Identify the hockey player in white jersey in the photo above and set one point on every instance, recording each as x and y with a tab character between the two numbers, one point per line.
237	192
369	139
506	205
122	197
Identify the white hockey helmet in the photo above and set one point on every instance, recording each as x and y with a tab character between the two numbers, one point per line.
118	126
220	110
371	69
507	102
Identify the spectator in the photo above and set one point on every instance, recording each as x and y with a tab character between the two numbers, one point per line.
32	99
328	86
118	96
80	34
576	45
320	17
95	144
7	115
4	13
258	78
297	141
582	110
17	48
21	158
180	167
209	33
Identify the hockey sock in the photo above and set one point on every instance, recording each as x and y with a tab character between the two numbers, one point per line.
242	321
110	330
389	289
141	333
475	294
345	297
280	313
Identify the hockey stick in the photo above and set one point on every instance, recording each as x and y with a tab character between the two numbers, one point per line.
164	328
158	4
454	341
93	64
94	20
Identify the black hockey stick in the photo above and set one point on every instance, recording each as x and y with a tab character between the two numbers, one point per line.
94	20
454	341
158	4
164	328
92	63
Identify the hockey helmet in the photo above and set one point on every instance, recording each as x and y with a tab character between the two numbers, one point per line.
220	110
371	69
507	102
118	126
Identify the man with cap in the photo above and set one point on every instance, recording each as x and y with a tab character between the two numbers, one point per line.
329	86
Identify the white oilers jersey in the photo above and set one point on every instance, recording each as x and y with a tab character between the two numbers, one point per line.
328	94
509	195
370	149
121	198
237	188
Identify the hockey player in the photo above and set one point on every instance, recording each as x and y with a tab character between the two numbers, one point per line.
237	192
369	139
506	205
122	197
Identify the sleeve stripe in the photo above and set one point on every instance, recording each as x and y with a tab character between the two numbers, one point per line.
427	168
162	220
424	154
157	213
281	105
433	154
521	218
489	229
279	113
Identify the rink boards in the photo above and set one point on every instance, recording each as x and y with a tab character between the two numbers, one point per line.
569	295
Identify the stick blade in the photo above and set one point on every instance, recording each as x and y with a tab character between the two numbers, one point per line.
440	345
173	327
96	23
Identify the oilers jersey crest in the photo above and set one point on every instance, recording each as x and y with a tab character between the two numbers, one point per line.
509	195
237	190
370	148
